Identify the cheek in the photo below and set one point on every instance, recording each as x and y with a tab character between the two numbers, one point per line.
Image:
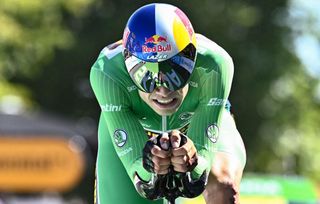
182	94
144	96
148	97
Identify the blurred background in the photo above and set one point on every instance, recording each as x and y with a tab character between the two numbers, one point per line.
48	113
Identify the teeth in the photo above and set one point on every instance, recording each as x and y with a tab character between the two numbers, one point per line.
163	101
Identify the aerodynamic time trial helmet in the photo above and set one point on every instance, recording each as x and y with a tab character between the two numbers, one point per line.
159	47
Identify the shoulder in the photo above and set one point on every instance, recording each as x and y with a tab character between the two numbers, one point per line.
205	46
110	65
212	56
110	58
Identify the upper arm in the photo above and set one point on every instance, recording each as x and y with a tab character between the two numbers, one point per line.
215	89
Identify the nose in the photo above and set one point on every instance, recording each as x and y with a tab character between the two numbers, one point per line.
162	91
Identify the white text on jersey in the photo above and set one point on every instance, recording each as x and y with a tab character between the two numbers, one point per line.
216	102
110	108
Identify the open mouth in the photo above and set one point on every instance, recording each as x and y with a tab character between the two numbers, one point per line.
165	103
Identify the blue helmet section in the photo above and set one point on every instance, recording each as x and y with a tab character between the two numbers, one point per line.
141	25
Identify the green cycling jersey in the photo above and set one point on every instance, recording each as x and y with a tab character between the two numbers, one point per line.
129	121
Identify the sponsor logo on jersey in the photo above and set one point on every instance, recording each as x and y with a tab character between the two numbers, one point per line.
185	116
131	88
124	152
216	102
193	84
110	108
120	137
145	125
155	133
156	43
213	133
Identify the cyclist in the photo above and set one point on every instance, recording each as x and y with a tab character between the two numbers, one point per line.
164	81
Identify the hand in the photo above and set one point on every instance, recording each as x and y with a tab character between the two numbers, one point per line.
184	153
156	157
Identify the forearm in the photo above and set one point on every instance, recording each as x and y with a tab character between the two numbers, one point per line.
204	133
129	138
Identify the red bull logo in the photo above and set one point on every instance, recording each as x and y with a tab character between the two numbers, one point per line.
156	43
156	39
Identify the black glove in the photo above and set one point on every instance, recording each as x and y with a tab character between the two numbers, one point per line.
146	153
153	189
192	188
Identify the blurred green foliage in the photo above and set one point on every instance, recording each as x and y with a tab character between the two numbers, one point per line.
31	31
49	46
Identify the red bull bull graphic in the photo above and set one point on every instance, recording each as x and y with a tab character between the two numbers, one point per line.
150	40
162	39
156	39
156	43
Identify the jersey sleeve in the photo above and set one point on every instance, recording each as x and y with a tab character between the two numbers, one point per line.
127	134
205	124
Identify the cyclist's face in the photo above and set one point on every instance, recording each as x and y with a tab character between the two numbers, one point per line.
163	101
